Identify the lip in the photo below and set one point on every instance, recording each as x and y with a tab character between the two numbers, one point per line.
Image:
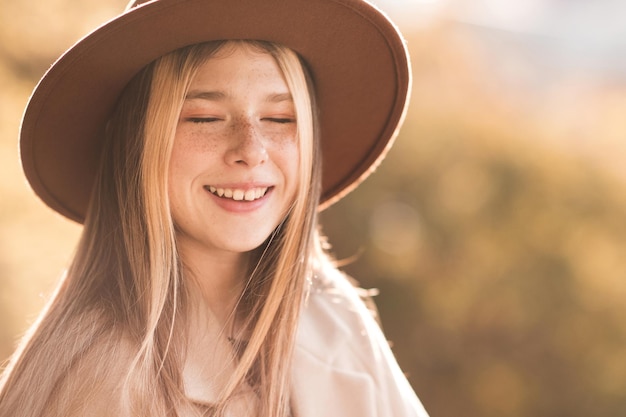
241	206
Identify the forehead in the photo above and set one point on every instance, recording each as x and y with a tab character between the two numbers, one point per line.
242	64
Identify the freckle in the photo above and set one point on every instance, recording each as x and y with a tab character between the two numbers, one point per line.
204	143
238	124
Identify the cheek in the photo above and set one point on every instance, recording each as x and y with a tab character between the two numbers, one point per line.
176	169
193	142
288	160
183	160
190	151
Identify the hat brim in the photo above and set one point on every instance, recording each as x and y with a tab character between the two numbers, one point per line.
357	57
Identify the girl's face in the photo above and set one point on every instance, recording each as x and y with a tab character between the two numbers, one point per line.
234	164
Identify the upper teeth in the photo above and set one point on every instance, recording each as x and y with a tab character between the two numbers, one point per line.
239	195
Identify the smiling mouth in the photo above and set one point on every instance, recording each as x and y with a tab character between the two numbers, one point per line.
238	194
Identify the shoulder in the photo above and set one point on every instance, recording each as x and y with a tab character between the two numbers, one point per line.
341	350
337	322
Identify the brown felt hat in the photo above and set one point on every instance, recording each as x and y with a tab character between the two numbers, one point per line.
357	57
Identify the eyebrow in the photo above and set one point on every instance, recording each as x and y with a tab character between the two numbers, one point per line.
220	95
279	97
205	95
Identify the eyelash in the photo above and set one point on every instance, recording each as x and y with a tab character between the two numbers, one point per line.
203	119
215	119
281	120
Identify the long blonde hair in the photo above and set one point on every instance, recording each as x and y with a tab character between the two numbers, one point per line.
126	283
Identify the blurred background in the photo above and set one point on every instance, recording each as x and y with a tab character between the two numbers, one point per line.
495	230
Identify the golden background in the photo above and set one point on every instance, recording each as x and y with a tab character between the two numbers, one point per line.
495	230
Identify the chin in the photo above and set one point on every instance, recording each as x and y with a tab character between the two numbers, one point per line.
247	245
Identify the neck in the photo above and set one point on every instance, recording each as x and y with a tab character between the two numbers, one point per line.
216	280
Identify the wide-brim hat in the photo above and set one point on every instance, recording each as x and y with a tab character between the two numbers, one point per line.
357	57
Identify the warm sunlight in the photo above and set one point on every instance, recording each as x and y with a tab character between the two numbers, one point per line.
495	230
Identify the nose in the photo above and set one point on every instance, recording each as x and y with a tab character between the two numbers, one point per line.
247	146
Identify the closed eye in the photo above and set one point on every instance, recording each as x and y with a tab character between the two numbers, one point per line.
203	119
281	120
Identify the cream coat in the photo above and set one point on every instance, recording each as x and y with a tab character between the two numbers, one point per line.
343	366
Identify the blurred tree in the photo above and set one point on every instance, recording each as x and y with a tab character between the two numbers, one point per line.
499	258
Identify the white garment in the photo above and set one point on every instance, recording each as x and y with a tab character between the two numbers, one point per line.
343	365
